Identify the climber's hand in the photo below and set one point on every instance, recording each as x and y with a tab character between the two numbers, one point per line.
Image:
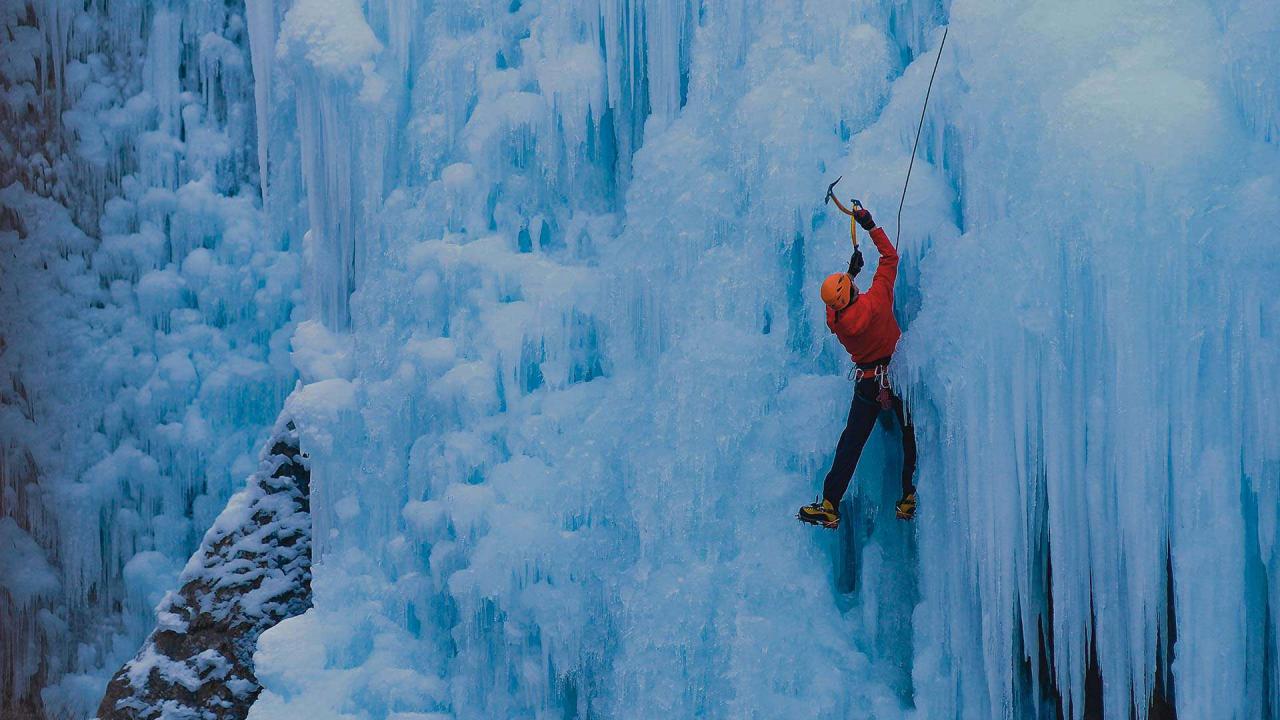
863	216
855	263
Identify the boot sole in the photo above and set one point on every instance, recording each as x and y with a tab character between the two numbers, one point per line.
830	525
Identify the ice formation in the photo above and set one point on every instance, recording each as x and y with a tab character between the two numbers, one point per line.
144	324
546	276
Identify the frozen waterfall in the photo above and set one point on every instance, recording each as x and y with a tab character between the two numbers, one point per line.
537	284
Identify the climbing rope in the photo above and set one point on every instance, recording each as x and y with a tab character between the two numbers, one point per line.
898	235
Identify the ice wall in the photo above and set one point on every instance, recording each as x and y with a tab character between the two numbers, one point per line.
570	379
559	439
144	317
565	378
1094	362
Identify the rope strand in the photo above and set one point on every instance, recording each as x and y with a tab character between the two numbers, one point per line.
898	235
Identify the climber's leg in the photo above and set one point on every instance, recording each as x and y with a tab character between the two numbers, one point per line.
906	506
862	417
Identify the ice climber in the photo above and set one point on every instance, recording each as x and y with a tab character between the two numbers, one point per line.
865	325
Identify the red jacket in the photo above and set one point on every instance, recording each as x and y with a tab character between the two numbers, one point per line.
867	327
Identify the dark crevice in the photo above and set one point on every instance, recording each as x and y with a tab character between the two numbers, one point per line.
1162	705
1093	684
1050	695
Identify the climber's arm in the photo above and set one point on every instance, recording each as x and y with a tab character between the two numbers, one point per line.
887	270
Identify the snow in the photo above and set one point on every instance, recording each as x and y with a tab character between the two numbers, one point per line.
331	35
539	281
319	405
319	354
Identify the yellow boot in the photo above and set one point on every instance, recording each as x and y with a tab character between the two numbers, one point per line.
906	506
820	512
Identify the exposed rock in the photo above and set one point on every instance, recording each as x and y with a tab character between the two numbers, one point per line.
252	570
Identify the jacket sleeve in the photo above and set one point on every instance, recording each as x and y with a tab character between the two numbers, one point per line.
887	272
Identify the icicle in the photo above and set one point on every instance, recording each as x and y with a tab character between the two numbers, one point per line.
260	16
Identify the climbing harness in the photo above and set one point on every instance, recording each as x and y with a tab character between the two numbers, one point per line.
880	373
943	44
858	374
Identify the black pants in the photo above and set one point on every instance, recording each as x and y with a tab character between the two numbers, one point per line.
863	412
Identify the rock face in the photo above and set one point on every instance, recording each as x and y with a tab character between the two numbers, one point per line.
252	570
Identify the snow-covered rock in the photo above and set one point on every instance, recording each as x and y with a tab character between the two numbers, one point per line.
253	570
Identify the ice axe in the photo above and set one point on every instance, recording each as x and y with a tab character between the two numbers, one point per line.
853	224
832	186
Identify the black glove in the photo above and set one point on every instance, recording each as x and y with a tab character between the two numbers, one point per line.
855	263
863	216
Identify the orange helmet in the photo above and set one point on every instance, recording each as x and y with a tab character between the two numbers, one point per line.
838	290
